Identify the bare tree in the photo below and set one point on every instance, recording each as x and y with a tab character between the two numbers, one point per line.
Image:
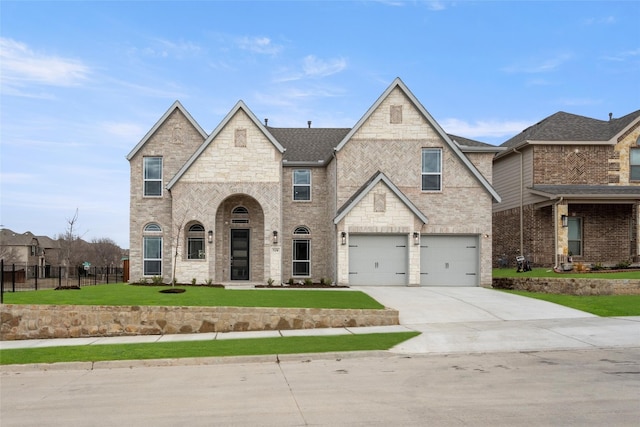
105	252
71	245
178	232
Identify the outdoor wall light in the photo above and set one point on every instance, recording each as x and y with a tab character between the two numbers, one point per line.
275	237
416	238
343	236
210	236
565	220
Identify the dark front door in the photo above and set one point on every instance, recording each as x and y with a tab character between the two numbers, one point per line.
240	254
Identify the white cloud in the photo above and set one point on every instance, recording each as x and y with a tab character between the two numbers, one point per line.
262	45
162	48
534	66
605	20
22	66
314	67
484	128
623	55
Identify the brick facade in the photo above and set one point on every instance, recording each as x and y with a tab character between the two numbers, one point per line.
241	164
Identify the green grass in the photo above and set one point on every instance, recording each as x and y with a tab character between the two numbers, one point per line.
123	294
548	272
209	348
600	305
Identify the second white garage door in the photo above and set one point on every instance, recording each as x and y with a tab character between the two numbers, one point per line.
449	260
378	259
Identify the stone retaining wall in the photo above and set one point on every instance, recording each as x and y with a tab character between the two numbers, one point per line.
570	286
74	321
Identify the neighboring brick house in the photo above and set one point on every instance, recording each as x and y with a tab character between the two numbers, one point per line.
392	201
570	187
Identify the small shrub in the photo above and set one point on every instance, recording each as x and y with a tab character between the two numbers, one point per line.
156	280
580	267
209	282
322	281
291	281
270	281
597	267
623	264
308	282
193	281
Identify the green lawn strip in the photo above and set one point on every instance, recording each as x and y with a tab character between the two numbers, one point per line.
600	305
208	348
548	272
123	294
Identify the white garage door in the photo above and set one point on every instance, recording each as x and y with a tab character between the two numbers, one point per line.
378	259
449	260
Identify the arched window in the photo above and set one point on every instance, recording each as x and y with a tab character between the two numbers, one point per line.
152	250
240	215
195	242
152	227
301	230
240	210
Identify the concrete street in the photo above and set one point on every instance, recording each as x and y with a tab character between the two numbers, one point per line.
484	358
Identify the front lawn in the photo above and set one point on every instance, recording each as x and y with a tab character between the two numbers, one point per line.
124	294
548	272
600	305
209	348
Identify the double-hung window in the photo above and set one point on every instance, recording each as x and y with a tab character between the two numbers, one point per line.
152	176
634	163
152	250
575	235
302	184
431	169
301	257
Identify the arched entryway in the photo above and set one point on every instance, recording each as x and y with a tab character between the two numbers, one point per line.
240	240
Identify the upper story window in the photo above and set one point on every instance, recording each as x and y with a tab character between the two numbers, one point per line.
152	176
634	162
302	184
152	227
431	169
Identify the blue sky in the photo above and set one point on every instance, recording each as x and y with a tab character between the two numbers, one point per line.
82	82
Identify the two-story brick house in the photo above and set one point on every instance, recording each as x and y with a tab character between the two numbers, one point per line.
392	201
570	187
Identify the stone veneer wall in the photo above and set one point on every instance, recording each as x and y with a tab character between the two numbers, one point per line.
75	321
570	286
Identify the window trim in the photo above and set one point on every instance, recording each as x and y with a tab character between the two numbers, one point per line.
632	165
145	179
294	185
194	235
580	240
295	261
145	259
438	173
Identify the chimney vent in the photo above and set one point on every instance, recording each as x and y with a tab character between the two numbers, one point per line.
309	124
610	116
266	122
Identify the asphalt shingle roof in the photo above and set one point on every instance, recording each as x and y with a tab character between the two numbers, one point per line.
563	126
308	144
588	190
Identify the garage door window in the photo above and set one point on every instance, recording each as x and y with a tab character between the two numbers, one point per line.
431	169
301	258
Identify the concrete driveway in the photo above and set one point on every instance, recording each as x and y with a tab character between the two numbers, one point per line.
471	320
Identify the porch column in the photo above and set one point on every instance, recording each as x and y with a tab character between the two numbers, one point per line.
562	234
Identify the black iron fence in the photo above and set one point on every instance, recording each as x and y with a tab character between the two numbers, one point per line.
31	278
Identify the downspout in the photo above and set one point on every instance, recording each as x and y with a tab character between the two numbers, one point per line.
515	150
555	231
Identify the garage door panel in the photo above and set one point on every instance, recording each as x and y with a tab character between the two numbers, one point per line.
378	259
449	261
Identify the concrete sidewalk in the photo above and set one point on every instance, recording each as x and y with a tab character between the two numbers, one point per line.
451	320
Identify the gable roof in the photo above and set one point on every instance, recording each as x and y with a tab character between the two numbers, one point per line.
566	127
165	116
11	238
398	83
308	145
240	105
366	188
